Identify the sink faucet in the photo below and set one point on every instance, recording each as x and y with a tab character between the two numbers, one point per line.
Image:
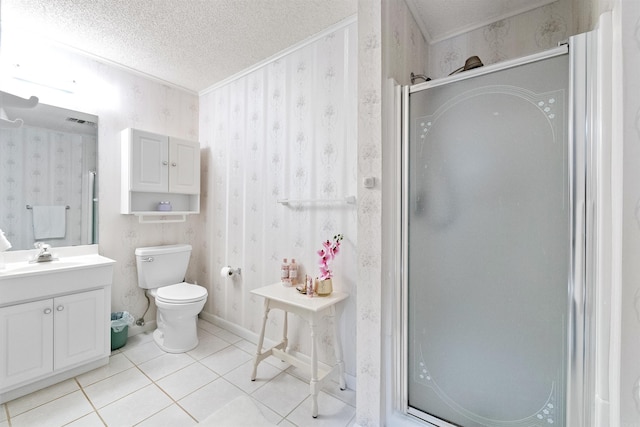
44	255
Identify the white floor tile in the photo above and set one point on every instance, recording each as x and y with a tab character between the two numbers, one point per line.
117	363
228	336
241	376
186	380
207	345
209	327
56	413
172	416
125	393
332	412
269	414
282	394
274	361
143	352
226	360
331	385
247	346
89	420
138	339
113	388
166	364
135	407
208	399
30	401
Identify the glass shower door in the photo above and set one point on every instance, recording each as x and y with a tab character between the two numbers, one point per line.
489	247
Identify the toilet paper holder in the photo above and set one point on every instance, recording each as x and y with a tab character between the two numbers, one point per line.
228	271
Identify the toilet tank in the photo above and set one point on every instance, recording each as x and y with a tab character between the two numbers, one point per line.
162	265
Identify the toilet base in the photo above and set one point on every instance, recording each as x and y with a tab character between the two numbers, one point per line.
185	345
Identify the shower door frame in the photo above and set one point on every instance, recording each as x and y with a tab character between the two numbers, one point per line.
583	171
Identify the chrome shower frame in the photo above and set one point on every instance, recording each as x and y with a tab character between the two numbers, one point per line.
584	172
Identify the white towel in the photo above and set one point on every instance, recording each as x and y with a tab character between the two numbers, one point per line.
49	222
5	244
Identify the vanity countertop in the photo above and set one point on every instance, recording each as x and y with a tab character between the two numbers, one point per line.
77	268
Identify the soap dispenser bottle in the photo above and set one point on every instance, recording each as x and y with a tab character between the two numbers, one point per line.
284	273
293	272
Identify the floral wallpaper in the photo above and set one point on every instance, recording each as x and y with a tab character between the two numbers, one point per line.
520	35
369	375
44	167
283	131
120	98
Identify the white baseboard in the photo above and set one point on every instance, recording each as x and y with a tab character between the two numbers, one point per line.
253	338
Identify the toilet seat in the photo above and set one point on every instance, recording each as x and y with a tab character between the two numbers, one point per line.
181	293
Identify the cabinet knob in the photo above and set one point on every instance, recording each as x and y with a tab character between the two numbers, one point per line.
47	311
173	164
164	162
60	307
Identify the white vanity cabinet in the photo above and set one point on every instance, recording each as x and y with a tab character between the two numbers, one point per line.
54	318
158	168
40	337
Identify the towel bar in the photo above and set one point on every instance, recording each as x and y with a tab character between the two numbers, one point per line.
31	207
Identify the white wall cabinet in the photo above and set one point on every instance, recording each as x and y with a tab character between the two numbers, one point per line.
40	337
158	168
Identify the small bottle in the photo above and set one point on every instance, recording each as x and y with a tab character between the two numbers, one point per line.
284	273
164	206
310	287
293	272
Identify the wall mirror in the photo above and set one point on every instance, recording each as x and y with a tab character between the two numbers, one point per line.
48	177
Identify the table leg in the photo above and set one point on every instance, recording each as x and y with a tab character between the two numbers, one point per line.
313	384
337	344
258	357
285	340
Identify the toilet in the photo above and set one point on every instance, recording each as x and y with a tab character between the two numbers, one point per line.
161	271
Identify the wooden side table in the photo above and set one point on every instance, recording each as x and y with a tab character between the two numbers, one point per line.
289	300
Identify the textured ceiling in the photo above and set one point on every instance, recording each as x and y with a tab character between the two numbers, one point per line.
189	43
197	43
442	19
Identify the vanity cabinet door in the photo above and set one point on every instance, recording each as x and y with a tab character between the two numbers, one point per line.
26	342
184	166
149	166
79	328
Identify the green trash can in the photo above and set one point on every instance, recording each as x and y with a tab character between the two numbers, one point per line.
120	322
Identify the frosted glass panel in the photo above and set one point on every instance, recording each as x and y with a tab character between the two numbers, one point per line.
489	247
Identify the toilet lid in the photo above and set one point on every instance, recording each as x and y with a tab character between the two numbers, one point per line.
181	293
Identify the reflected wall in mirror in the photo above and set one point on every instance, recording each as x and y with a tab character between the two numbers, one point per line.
47	165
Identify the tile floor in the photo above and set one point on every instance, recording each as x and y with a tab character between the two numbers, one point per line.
144	386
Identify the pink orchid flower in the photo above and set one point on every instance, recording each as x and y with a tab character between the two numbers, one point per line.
326	254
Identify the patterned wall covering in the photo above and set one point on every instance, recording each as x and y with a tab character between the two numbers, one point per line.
629	13
285	130
44	167
520	35
404	48
370	381
120	99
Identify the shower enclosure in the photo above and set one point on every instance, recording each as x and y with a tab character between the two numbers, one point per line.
495	183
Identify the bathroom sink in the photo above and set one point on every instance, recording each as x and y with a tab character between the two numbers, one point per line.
49	266
22	281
